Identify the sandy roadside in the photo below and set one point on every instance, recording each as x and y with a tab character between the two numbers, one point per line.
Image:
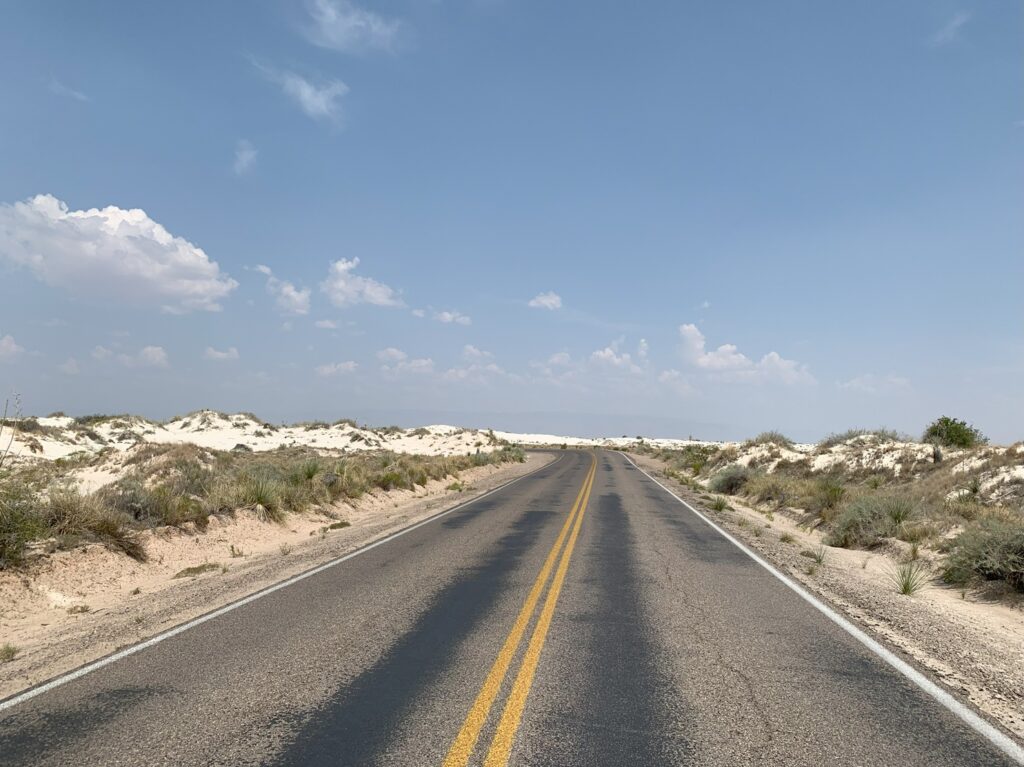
972	646
72	607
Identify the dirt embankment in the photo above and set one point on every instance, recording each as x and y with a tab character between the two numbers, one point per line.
71	607
970	644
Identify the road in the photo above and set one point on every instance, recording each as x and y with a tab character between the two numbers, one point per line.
579	616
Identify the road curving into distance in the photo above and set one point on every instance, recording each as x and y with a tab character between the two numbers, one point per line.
578	616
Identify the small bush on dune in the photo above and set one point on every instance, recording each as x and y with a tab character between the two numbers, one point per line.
730	480
770	438
770	489
992	548
882	435
950	432
870	518
68	512
19	523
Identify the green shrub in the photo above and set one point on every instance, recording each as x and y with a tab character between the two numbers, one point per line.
950	432
770	438
829	492
19	523
769	489
991	548
870	518
730	480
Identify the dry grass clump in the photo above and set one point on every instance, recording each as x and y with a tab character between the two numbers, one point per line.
869	519
730	480
992	548
773	437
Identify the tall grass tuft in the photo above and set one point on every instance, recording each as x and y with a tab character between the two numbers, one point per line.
910	577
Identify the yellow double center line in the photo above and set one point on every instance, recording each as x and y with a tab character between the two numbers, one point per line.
501	746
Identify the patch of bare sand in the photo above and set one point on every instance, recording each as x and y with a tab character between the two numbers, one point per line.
72	607
970	643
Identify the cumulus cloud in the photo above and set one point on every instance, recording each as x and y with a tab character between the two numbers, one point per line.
419	366
876	384
345	288
9	349
609	357
101	353
391	354
326	324
69	367
231	353
950	31
147	357
289	299
344	26
471	352
336	369
321	101
560	359
727	363
676	381
110	253
642	349
477	372
549	300
448	318
245	157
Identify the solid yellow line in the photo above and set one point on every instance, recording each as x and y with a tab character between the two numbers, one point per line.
462	748
501	746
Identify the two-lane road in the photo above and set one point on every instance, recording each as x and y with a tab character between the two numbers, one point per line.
579	616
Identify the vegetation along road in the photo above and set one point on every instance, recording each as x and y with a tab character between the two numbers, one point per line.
578	616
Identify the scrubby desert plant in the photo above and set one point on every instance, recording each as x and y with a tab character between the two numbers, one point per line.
19	522
910	577
730	480
951	432
991	548
770	438
868	519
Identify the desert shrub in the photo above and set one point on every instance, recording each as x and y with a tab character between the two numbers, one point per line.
950	432
828	493
882	435
19	523
766	488
68	512
730	480
262	494
770	438
115	531
991	548
869	519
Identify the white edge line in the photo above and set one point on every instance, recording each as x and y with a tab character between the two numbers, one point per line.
992	734
181	628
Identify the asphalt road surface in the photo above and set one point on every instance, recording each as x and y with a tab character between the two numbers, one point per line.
579	616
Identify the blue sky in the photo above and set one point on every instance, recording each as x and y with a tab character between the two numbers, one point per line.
604	218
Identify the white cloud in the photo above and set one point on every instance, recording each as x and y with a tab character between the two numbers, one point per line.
147	357
343	26
391	354
471	352
951	30
69	367
608	357
560	359
289	299
60	89
101	353
344	288
875	384
419	366
231	353
320	101
448	318
642	349
111	253
326	324
549	300
728	364
474	373
676	381
9	348
245	157
705	305
419	312
336	369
